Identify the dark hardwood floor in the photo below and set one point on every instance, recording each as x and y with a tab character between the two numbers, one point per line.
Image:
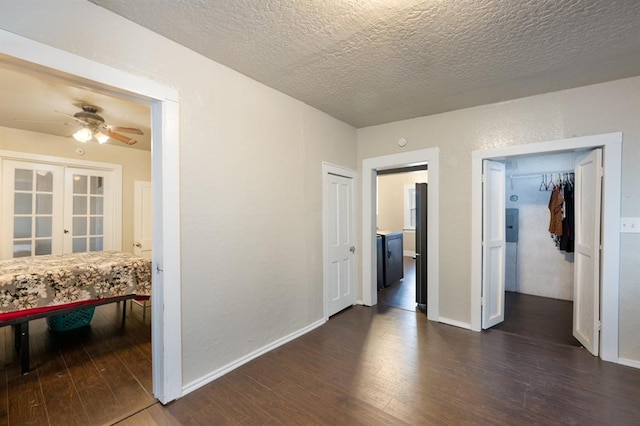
369	366
93	375
403	293
388	366
539	318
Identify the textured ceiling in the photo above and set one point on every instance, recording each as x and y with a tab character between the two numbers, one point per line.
30	98
374	61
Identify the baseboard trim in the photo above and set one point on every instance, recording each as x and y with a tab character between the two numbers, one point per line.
204	380
408	253
454	323
629	362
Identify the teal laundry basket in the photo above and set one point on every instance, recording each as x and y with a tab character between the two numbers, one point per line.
71	320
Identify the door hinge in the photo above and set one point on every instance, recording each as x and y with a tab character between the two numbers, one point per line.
599	325
482	301
601	171
482	178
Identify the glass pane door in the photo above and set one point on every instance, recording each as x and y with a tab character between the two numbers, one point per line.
89	201
32	198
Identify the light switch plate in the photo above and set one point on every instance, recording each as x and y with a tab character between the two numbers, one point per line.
630	225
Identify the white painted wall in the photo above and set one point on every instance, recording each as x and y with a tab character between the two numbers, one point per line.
541	268
251	183
601	108
136	164
391	204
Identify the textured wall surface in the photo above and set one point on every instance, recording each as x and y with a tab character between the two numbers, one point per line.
370	61
251	183
600	108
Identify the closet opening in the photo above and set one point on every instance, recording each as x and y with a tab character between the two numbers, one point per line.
540	244
596	271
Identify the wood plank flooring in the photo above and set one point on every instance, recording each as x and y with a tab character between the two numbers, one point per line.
387	366
539	317
89	376
403	293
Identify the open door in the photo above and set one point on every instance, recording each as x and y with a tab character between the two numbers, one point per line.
421	245
493	243
586	267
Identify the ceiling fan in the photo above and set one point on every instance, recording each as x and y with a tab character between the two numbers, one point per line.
94	126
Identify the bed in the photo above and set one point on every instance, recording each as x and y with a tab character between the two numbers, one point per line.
41	286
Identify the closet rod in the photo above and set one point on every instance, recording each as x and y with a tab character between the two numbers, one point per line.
538	175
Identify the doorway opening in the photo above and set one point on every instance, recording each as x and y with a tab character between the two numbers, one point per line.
370	169
539	260
493	297
400	235
48	61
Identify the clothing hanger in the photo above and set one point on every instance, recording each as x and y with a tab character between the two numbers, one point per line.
543	184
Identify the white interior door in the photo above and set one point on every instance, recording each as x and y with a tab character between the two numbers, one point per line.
89	211
341	244
586	290
493	243
32	209
143	219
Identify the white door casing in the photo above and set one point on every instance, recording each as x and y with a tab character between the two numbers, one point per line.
611	143
143	219
166	330
370	167
339	240
586	266
493	243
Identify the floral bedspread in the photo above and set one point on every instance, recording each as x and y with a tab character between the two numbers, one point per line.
31	282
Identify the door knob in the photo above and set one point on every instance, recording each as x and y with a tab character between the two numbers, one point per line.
138	245
352	249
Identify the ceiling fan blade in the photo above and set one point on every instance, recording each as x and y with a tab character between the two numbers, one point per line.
26	120
121	138
133	130
71	116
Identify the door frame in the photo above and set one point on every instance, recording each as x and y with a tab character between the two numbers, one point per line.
166	324
327	170
611	143
370	167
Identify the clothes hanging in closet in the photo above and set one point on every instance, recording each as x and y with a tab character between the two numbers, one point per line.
568	222
555	209
562	219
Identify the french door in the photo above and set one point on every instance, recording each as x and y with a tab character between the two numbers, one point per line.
53	209
87	200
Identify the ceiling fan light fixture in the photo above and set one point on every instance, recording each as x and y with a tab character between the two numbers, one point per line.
101	137
83	135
